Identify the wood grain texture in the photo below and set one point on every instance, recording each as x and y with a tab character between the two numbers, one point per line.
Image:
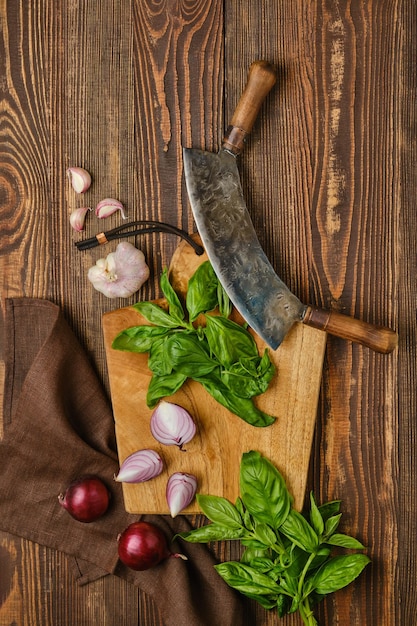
329	178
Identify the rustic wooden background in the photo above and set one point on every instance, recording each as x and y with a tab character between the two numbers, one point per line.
118	86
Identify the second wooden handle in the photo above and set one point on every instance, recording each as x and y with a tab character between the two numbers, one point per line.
378	338
261	79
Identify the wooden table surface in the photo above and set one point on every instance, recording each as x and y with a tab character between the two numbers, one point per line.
329	175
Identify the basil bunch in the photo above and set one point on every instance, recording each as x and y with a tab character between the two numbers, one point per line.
221	355
287	564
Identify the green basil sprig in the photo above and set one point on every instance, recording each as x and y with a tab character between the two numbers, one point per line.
191	342
287	564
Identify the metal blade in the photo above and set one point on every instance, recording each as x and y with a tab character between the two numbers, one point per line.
228	235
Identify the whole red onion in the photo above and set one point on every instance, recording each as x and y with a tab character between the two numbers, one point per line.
86	499
143	545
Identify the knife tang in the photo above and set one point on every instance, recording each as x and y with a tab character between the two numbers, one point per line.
261	79
378	338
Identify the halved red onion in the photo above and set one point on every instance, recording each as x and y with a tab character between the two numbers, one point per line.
140	467
172	425
180	491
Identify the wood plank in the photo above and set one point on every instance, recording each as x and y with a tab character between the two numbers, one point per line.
324	193
404	431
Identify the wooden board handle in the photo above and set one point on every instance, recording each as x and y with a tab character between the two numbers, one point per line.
378	338
261	79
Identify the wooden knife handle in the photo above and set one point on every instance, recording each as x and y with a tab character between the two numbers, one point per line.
261	79
378	338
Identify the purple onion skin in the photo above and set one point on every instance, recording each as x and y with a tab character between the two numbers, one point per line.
183	485
86	499
142	546
134	470
171	424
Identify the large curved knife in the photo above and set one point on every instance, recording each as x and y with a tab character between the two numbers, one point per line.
228	235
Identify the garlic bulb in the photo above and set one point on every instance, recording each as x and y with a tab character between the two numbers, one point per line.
121	273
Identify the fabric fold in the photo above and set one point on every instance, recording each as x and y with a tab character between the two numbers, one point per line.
58	427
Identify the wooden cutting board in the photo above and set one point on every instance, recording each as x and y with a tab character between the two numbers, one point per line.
214	454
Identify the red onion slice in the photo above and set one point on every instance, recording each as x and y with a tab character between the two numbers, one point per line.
172	425
180	491
140	467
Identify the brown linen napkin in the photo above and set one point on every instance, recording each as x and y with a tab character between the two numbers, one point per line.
59	426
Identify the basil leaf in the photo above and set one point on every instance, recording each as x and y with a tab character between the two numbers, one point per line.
262	563
315	516
263	490
229	341
345	541
250	555
225	306
299	559
252	543
289	584
219	510
156	314
331	524
202	291
246	579
175	307
211	532
265	534
329	509
157	360
248	377
338	572
138	338
283	604
266	369
163	386
296	528
239	507
247	519
243	407
262	600
188	355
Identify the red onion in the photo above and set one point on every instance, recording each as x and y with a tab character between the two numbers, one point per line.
143	545
140	466
180	491
86	499
172	425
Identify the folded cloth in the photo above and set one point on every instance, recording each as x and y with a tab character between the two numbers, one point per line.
58	427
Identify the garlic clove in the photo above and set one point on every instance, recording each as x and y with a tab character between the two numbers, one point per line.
172	425
80	179
77	218
121	273
140	467
108	206
180	491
